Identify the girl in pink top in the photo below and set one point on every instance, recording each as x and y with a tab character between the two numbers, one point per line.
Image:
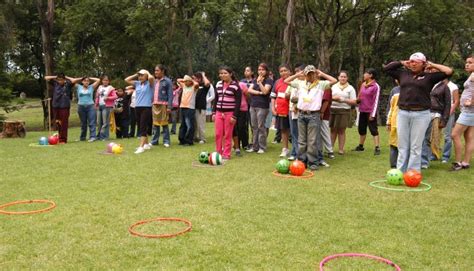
240	133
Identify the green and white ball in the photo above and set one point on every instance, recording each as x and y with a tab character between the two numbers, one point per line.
204	157
215	159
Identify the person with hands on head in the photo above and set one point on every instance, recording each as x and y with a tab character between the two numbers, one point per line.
259	108
85	106
61	103
465	123
104	102
201	106
281	107
143	83
414	105
226	110
189	87
162	105
309	97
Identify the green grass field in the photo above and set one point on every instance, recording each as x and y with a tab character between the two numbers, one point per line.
243	217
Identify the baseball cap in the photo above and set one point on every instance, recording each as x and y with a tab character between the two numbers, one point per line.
308	69
419	57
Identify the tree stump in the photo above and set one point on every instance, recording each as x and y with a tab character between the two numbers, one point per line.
13	128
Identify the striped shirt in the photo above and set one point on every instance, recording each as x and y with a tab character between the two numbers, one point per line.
228	97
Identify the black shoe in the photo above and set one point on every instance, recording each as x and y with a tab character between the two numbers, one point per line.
359	148
377	151
456	167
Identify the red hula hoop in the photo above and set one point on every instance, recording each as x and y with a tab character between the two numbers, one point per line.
167	235
362	255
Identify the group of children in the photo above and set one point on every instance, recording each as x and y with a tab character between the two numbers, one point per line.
309	108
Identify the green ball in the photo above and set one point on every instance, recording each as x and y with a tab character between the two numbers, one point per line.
204	157
394	177
283	166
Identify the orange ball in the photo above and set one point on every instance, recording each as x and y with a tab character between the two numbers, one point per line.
297	168
412	178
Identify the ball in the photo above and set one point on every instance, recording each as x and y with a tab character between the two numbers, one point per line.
297	168
394	177
204	157
53	140
117	149
412	178
110	146
283	166
215	159
43	141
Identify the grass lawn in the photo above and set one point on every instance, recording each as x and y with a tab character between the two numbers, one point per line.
243	217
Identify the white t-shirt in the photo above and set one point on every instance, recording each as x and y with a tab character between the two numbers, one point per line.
103	93
452	87
310	95
133	100
348	93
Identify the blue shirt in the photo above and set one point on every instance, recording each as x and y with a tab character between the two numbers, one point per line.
144	94
62	94
85	96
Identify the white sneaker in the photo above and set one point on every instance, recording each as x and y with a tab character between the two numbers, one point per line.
147	146
261	151
166	145
284	153
139	150
250	150
202	141
292	158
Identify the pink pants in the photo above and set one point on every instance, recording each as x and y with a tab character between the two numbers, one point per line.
224	130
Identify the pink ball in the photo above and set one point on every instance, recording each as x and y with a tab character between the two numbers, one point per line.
110	146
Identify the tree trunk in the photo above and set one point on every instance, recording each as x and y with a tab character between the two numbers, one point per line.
324	54
12	129
46	18
287	34
360	41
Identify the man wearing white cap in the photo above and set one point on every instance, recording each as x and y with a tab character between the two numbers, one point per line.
414	104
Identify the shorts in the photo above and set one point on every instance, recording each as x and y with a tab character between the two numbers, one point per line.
144	118
282	123
364	122
466	119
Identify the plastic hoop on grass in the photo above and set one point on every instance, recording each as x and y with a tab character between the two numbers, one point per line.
51	203
375	185
41	146
361	255
306	175
168	235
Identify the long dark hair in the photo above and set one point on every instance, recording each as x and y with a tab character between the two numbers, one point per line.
229	70
163	68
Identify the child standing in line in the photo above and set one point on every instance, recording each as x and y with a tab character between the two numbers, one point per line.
130	92
175	109
392	126
104	102
188	100
121	108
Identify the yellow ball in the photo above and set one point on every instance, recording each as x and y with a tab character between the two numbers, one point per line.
117	149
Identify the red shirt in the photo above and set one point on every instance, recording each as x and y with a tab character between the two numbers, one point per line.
327	96
282	105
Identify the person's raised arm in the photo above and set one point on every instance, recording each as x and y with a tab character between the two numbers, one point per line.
393	68
290	79
130	80
442	68
180	83
195	85
50	77
328	77
96	83
151	78
205	80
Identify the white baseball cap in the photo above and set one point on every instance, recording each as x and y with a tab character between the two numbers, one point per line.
419	57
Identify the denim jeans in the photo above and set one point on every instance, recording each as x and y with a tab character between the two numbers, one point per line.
411	129
294	135
186	129
426	147
309	138
448	141
157	132
87	115
103	119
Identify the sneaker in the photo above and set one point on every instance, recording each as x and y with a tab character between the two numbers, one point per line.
91	140
202	141
292	158
465	166
324	164
424	166
147	146
377	151
166	145
139	150
313	167
250	150
284	153
331	155
261	151
237	152
359	148
444	161
456	166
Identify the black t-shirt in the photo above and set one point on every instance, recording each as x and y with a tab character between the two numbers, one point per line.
201	95
261	101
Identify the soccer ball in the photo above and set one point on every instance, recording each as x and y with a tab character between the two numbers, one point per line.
394	177
283	166
215	159
204	157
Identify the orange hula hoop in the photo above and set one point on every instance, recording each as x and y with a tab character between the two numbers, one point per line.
288	176
51	203
166	235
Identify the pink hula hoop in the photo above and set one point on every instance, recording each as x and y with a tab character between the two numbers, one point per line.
331	257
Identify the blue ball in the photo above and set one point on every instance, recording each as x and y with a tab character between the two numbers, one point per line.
43	141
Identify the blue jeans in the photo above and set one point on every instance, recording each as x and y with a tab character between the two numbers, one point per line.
88	117
411	129
294	135
186	129
448	141
103	119
393	156
157	132
426	147
309	140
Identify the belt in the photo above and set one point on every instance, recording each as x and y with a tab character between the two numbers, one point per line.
307	112
413	108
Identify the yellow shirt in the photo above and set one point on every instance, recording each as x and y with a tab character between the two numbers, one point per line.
392	120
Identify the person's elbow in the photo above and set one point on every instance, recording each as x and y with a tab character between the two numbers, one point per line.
449	72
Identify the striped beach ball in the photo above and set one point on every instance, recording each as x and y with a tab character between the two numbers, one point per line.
215	159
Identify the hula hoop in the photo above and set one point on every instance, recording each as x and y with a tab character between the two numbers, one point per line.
375	185
201	165
332	257
306	175
51	203
41	146
166	235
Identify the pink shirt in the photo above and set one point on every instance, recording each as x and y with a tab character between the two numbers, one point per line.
244	106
